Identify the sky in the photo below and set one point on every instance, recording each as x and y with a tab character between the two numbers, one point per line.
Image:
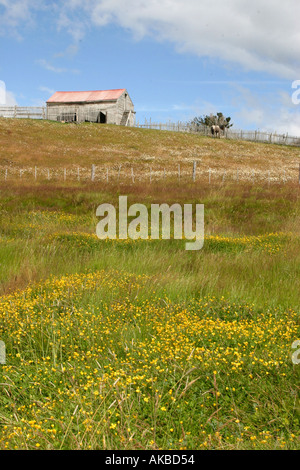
178	59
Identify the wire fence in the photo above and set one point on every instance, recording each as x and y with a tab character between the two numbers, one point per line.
127	173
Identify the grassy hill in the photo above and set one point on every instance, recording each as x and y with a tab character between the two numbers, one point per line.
28	143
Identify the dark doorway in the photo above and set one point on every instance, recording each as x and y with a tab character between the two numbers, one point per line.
101	118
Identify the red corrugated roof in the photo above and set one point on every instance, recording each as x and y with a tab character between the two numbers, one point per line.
80	96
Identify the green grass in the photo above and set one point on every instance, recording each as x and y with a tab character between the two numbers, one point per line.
102	361
53	232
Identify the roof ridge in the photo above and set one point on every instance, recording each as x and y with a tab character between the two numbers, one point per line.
86	96
89	91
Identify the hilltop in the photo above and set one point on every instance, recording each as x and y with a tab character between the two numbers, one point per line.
27	143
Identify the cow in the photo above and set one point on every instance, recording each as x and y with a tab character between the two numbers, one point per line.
215	130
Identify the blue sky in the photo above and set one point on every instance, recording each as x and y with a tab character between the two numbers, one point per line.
177	58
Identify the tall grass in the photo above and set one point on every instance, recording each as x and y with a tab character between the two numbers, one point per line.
51	229
102	361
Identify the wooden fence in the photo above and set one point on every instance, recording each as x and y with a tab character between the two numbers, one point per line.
255	135
29	112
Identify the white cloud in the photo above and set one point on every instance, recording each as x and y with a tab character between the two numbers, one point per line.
46	65
52	68
76	27
16	13
45	89
70	51
10	99
182	107
273	113
260	36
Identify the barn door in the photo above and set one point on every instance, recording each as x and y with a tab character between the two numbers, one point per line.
101	118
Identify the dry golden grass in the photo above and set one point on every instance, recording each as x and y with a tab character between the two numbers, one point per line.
54	146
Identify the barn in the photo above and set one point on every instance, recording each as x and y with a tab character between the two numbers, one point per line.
102	106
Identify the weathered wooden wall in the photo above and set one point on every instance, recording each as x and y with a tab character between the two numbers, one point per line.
84	112
115	111
125	105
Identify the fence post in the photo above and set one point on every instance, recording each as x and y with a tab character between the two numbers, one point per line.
78	174
132	175
107	175
48	174
194	171
93	173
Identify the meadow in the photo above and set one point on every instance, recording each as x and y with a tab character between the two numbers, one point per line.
139	344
